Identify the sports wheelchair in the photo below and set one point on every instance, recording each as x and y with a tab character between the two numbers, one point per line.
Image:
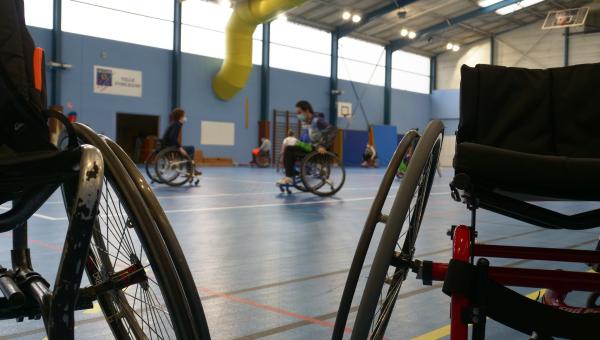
524	135
322	174
168	166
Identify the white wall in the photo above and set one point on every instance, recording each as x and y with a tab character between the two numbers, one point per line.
530	47
584	48
448	64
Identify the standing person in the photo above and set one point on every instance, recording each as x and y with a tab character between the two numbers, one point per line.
173	135
319	134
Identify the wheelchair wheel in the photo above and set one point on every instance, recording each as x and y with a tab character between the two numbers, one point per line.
375	216
263	161
322	174
150	165
127	239
172	167
394	256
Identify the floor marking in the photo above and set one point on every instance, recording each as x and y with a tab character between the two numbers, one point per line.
41	216
95	310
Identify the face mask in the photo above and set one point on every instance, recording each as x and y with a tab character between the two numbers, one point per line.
184	119
301	117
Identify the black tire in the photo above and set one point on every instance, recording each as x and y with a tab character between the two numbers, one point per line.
414	188
172	167
121	200
164	226
374	217
150	165
322	174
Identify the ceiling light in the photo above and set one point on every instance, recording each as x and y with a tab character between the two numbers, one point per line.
487	3
225	3
412	35
346	15
455	48
404	32
449	46
282	17
515	7
356	18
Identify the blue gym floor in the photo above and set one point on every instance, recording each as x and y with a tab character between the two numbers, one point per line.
273	266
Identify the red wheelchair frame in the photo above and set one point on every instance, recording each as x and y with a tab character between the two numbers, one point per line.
465	249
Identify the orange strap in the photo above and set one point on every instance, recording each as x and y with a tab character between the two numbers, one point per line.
38	58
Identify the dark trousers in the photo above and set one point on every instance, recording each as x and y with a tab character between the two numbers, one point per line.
190	150
290	156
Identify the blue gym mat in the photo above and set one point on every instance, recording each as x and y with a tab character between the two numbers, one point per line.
386	139
354	146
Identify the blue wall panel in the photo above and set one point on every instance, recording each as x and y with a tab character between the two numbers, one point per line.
288	87
354	146
386	139
410	110
372	102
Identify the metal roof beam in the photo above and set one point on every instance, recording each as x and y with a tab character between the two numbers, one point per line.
349	27
399	43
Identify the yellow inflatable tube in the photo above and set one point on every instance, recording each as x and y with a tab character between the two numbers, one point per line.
236	68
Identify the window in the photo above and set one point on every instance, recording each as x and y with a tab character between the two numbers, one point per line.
144	22
39	13
300	48
203	30
410	72
361	61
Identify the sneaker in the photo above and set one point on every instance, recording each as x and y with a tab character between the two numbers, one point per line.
197	172
285	181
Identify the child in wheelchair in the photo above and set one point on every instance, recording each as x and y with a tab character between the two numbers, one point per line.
173	136
262	151
318	133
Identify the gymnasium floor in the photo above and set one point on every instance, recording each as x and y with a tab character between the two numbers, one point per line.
274	266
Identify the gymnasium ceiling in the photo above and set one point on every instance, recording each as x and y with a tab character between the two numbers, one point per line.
419	15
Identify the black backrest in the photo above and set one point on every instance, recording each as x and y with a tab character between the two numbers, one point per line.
23	126
547	112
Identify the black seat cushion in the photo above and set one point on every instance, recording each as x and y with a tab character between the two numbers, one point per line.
531	131
543	175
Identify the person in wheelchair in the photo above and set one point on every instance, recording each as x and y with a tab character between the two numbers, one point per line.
319	134
369	157
262	151
173	136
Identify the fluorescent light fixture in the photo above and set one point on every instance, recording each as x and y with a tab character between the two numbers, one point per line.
404	32
412	35
356	18
282	17
515	7
487	3
455	48
346	15
449	46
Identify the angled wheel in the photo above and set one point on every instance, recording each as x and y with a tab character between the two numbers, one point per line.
150	166
172	167
375	216
393	259
131	245
322	174
263	160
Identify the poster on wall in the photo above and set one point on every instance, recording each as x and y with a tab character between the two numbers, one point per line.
217	133
117	81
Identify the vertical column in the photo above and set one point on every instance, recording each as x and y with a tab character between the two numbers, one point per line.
176	57
432	74
567	34
333	80
492	50
387	94
265	87
56	52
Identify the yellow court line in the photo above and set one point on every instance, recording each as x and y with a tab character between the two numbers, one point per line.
445	330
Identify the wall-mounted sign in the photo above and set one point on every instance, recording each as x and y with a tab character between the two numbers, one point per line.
344	109
217	133
117	81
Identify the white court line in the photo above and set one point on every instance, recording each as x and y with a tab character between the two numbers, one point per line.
42	216
253	206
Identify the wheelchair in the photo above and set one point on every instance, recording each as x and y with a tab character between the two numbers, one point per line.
168	166
263	160
501	170
322	174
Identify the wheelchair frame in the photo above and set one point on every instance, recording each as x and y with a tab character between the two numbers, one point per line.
300	183
155	178
476	289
